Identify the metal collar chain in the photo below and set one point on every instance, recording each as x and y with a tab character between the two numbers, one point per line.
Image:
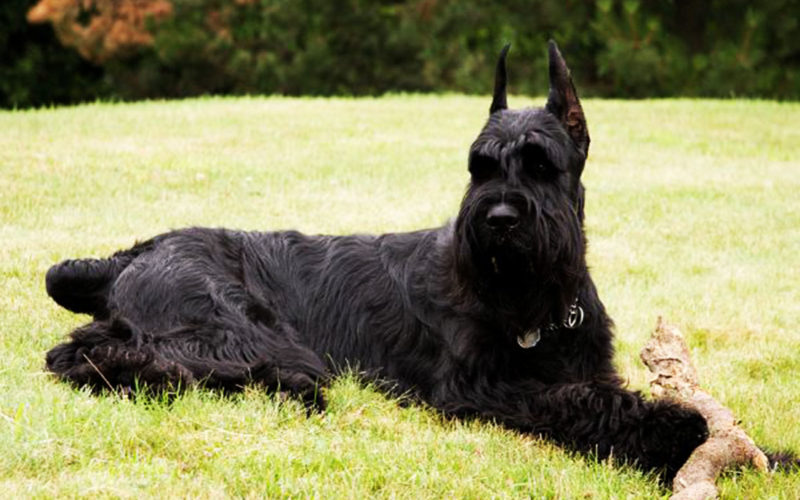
574	319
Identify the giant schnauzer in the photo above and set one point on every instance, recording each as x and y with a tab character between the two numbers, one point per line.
493	316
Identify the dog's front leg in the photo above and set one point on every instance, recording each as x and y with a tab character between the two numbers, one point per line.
601	419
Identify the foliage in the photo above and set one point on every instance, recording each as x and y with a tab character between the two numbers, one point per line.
35	69
100	29
616	48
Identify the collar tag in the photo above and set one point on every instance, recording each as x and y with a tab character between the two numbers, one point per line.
529	339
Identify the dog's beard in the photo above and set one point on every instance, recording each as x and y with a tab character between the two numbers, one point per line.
550	253
537	264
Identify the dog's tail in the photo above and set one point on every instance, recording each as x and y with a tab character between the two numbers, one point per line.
82	285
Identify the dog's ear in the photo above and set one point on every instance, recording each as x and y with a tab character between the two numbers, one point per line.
500	78
563	100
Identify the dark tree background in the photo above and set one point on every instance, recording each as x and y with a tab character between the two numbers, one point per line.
61	51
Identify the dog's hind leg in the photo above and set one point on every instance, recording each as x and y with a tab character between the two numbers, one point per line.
228	355
110	355
232	353
82	285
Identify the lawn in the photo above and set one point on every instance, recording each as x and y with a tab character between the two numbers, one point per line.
693	213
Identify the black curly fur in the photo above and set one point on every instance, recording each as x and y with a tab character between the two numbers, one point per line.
436	313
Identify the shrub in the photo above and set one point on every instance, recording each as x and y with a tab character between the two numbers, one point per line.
619	48
35	69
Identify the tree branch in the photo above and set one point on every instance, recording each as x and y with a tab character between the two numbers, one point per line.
667	357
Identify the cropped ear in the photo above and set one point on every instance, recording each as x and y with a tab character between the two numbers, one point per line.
563	100
500	78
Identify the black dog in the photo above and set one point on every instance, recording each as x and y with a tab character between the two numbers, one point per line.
493	316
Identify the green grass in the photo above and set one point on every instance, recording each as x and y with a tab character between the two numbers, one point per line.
693	213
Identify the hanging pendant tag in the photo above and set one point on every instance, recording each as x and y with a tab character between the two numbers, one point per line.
530	339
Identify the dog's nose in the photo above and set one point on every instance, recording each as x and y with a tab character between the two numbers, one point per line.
502	216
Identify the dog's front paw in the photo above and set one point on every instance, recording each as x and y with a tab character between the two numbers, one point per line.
670	433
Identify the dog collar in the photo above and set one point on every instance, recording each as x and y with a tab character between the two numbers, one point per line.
573	320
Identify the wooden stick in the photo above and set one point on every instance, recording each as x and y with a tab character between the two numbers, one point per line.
667	357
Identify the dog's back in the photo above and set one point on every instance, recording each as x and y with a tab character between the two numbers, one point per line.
217	306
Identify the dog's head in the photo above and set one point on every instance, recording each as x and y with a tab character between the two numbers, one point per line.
521	222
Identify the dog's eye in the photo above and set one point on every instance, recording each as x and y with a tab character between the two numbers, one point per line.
536	163
483	167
